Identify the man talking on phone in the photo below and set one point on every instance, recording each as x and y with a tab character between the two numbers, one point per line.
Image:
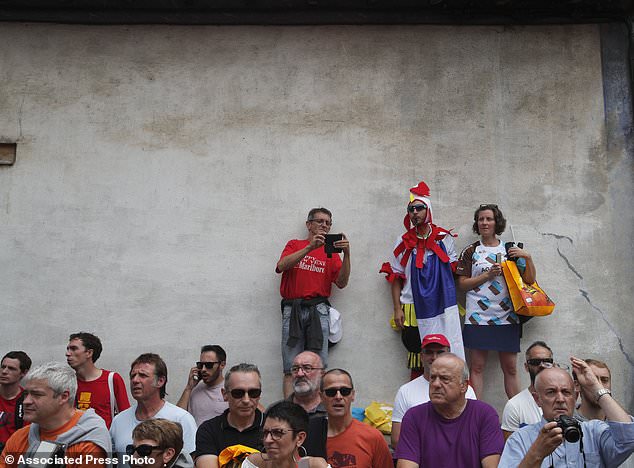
308	272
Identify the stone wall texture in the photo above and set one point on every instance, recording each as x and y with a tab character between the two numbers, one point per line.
160	171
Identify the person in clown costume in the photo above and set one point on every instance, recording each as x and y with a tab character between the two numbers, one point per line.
421	275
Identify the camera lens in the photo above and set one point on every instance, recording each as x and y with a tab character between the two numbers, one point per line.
572	434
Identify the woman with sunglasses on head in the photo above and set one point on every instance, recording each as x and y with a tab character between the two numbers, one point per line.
158	443
284	431
490	322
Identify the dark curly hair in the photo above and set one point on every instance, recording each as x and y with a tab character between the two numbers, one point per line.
500	220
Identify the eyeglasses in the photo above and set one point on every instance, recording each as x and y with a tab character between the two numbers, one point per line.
545	362
306	368
321	222
432	351
144	450
276	434
488	205
238	393
331	392
416	208
206	364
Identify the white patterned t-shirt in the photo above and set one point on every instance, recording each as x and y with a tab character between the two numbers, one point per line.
489	303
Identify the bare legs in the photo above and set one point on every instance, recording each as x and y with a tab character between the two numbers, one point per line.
477	363
508	363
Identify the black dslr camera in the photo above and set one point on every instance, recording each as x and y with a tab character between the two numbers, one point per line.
570	427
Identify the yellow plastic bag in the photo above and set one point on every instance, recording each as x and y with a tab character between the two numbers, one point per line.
234	455
379	415
528	299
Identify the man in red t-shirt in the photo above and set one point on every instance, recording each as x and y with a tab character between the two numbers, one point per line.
100	389
307	276
350	443
14	366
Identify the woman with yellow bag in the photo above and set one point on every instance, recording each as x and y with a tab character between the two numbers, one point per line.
490	322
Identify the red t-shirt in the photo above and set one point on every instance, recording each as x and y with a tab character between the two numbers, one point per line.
359	445
96	395
312	276
7	417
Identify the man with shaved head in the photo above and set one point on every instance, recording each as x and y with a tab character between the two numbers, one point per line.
450	430
602	444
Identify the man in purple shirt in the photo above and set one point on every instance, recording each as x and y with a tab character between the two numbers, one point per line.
450	430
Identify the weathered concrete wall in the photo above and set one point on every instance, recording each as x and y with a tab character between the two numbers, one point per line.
161	170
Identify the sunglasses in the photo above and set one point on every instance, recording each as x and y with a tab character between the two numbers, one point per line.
144	450
546	362
276	434
206	364
238	393
416	208
331	392
487	205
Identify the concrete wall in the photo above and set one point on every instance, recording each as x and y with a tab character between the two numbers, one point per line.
161	170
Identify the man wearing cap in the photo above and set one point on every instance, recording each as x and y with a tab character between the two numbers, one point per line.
307	276
416	392
421	273
522	410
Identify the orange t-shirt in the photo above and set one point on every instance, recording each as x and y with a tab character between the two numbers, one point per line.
18	444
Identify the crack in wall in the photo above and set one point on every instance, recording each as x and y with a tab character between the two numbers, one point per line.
20	118
586	295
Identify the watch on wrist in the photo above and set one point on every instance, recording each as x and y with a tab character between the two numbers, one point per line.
601	392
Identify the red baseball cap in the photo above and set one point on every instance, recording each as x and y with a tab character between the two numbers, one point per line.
435	338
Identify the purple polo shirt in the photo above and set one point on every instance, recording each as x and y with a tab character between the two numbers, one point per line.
431	440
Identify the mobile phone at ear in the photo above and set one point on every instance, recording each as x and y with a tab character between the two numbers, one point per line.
329	243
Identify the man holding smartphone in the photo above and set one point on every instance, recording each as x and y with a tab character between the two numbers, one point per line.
205	401
308	272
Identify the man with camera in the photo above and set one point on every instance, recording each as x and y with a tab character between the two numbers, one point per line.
309	267
205	401
559	440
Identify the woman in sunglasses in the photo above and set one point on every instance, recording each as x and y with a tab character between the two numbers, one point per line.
490	322
159	443
284	431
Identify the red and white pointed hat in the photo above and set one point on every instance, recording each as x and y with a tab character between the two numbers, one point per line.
420	192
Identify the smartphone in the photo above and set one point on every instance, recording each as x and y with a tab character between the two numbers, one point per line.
508	245
498	258
329	245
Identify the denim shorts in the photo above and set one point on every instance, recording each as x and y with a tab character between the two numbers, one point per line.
289	353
